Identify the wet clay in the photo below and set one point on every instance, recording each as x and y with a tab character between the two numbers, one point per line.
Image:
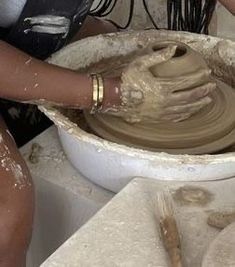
36	149
191	195
168	97
210	130
221	220
185	60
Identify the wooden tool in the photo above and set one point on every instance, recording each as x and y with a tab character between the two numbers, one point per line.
169	229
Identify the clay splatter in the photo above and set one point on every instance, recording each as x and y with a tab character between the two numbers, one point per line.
28	61
191	195
221	220
35	152
10	165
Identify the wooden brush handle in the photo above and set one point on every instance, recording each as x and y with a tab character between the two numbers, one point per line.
175	257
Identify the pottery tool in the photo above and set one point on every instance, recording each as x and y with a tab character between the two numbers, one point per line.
169	229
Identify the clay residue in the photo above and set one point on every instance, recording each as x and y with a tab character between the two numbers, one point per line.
35	153
221	220
10	165
77	116
191	195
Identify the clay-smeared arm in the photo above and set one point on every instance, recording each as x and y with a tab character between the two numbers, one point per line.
26	79
229	4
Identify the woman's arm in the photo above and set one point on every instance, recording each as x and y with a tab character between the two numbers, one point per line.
229	4
93	26
24	78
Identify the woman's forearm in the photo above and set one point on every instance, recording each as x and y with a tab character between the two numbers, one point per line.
26	79
229	4
93	26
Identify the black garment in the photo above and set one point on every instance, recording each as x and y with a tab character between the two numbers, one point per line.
44	27
34	35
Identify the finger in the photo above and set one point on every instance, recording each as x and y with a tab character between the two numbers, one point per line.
185	82
147	61
190	108
190	96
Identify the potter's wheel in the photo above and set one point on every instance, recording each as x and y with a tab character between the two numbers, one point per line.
210	130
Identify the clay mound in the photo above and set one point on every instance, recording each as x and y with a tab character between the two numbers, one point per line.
209	131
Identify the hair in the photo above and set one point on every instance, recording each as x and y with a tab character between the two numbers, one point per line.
182	15
190	15
105	7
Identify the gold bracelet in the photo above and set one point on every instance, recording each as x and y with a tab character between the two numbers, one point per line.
100	92
95	95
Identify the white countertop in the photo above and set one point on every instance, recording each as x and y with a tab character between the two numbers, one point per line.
65	200
125	233
54	167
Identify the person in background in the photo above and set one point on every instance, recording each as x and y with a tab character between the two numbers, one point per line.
30	31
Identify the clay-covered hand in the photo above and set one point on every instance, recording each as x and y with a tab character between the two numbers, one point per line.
152	99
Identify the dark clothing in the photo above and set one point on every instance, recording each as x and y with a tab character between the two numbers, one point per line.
44	27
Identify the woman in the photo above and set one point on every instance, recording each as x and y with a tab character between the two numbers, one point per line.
31	31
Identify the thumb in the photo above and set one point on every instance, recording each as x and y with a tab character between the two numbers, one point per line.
145	62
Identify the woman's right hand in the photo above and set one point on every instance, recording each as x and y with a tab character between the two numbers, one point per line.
148	98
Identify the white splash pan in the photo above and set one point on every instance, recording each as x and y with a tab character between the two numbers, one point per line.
112	165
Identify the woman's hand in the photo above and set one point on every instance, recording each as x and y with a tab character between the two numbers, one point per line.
148	98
